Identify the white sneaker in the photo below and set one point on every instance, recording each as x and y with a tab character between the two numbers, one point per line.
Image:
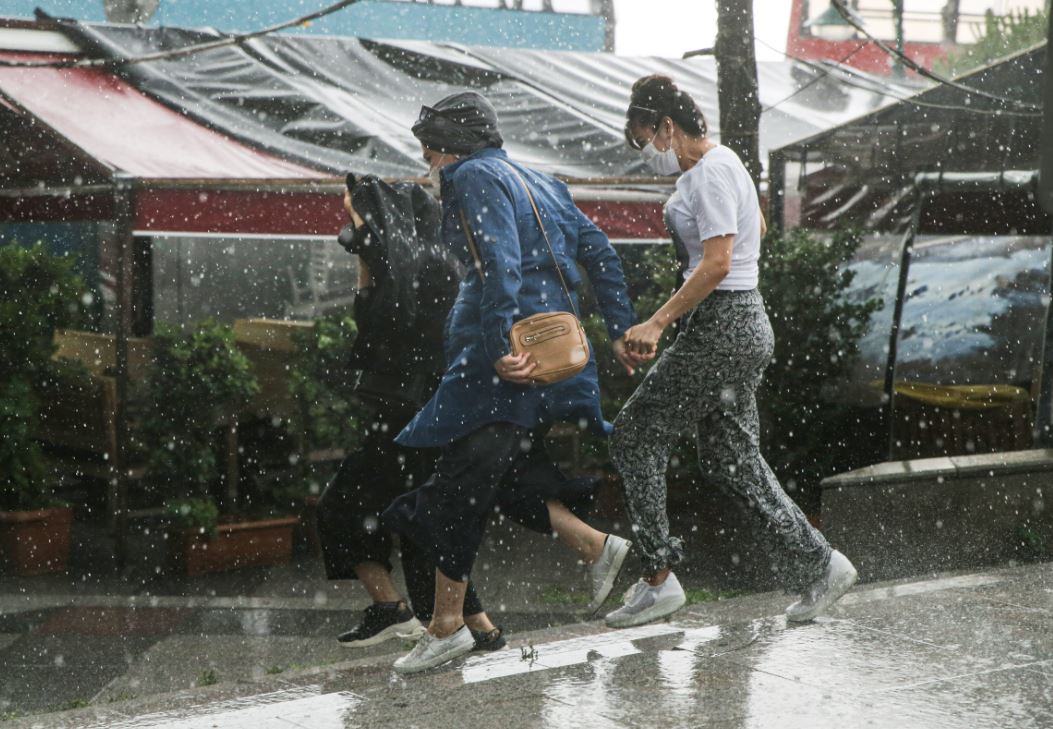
606	569
839	577
644	603
430	651
413	633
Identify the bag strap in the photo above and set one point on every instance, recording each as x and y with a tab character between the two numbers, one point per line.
537	215
551	252
471	242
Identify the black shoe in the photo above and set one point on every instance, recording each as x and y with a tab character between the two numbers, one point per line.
492	641
382	621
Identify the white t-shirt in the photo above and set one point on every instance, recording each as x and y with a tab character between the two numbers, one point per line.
717	197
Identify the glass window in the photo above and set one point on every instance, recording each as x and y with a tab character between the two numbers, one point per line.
235	278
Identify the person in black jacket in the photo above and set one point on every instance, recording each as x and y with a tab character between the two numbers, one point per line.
407	283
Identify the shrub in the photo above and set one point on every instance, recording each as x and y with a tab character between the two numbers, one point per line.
22	470
817	332
197	379
320	378
39	293
1001	36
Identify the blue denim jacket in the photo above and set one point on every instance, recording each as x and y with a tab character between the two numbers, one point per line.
517	279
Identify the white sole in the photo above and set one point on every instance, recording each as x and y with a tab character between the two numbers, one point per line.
656	612
411	626
453	653
412	634
842	585
609	580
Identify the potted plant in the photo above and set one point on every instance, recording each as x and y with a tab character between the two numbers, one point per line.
39	293
330	422
195	387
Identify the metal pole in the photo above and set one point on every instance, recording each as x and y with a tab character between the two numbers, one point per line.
776	191
897	317
1044	407
123	225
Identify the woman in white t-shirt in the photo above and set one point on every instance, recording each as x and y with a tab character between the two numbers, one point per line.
707	379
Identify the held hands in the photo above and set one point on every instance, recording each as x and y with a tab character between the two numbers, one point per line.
630	360
639	345
515	368
642	340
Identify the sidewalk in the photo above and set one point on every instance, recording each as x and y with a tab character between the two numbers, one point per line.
93	636
961	650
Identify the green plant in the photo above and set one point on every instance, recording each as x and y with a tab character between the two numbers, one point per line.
320	378
120	696
1002	35
22	470
557	595
1030	543
331	415
39	293
208	677
200	515
197	380
804	281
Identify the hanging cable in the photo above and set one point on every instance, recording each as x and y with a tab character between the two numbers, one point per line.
231	40
823	73
888	89
852	19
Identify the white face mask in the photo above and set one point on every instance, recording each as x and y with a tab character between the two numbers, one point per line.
434	179
661	163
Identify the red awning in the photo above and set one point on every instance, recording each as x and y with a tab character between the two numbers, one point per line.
127	131
191	179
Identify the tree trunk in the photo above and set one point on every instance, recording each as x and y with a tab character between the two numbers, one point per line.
737	82
605	9
951	13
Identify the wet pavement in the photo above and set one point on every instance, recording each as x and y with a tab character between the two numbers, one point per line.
94	636
959	650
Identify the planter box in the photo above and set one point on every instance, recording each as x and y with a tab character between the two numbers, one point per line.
908	518
35	542
233	546
308	532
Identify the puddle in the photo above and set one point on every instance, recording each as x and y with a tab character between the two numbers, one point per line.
563	653
306	707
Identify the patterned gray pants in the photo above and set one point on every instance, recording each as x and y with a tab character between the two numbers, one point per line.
707	379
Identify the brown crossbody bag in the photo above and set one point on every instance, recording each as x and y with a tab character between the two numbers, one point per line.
555	340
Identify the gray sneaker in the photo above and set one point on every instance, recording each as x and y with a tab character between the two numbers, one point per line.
605	570
839	577
430	651
644	603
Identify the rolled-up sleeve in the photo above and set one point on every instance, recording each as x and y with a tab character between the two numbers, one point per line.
486	202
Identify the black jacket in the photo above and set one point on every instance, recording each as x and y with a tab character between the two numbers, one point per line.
401	317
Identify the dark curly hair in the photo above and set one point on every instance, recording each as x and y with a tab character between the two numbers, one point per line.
655	97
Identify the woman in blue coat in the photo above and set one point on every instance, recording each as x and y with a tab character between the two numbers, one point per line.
487	416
